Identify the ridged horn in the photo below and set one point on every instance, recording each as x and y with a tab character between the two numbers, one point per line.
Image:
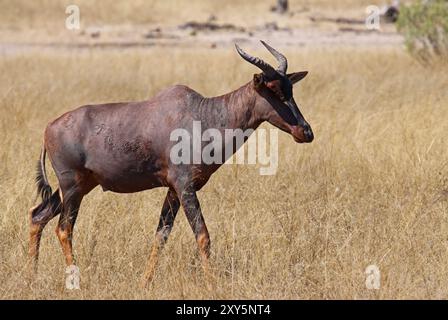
282	61
267	69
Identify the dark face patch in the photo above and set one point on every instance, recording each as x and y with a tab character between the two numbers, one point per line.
282	88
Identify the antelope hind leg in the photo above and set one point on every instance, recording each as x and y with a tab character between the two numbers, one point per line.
40	215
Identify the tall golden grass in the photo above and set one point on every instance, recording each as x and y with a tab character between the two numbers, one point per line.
371	189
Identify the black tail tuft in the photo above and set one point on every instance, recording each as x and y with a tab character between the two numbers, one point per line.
43	188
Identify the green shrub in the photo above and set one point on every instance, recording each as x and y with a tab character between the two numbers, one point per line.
424	25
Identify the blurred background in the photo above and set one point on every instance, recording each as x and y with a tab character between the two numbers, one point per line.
372	189
198	22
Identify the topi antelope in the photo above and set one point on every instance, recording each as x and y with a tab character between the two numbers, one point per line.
125	148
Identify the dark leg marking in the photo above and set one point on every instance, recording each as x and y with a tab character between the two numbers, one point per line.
192	209
167	216
40	215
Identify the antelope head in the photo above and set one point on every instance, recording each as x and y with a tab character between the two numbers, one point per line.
275	99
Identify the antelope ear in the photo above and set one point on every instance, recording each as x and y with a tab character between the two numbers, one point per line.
258	80
296	76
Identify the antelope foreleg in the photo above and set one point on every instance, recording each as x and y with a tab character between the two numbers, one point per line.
192	209
166	221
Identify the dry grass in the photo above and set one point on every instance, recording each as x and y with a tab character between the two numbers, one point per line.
371	189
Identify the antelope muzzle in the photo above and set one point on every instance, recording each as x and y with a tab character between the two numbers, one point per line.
301	132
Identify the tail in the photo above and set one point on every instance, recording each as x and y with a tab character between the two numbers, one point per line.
43	187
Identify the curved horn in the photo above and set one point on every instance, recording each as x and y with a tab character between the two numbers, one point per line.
267	69
282	62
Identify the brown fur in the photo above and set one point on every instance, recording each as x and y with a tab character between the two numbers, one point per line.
125	147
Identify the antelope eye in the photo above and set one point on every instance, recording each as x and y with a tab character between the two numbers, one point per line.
281	96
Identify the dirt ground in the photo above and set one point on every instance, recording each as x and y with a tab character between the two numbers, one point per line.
306	26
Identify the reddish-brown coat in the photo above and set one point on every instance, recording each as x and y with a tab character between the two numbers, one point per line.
125	148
